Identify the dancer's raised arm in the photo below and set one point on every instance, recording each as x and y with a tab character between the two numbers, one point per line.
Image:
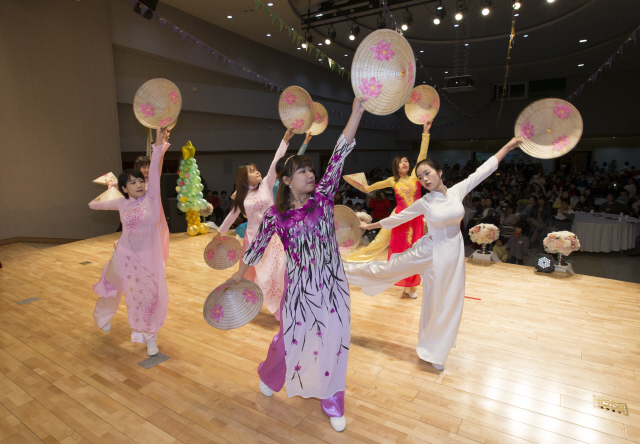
418	208
424	146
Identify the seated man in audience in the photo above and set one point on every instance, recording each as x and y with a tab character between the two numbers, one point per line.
611	206
563	219
583	205
538	217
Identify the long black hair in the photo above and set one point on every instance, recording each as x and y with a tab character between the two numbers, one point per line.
123	178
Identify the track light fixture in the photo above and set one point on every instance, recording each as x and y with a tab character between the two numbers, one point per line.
486	5
517	5
331	35
441	12
407	20
308	38
460	8
355	30
381	23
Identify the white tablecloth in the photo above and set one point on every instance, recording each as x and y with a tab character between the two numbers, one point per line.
599	234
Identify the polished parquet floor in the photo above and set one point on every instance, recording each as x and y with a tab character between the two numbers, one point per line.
532	352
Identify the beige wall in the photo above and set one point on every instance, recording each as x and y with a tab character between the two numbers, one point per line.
58	117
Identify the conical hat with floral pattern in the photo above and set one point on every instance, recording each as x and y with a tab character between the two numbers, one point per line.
110	194
296	109
320	119
357	180
222	252
157	103
232	305
348	232
423	104
383	71
549	128
105	179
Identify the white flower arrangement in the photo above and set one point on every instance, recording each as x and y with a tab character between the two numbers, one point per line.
484	233
364	217
563	242
208	211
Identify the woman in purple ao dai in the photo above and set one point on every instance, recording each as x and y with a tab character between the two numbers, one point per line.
309	354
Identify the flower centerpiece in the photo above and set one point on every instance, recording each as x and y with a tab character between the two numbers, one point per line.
562	243
484	234
207	211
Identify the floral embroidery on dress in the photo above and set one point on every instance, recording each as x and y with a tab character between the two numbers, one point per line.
383	51
526	131
562	111
370	88
147	110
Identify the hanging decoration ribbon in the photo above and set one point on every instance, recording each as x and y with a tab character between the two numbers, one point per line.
209	51
606	65
298	39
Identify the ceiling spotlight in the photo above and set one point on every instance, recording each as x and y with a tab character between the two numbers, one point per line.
308	38
381	23
581	64
446	72
319	15
458	16
485	11
441	12
466	44
268	35
456	25
304	45
269	4
461	7
229	16
407	19
300	48
355	30
517	5
526	35
487	4
331	35
422	50
550	1
440	7
583	41
516	15
436	21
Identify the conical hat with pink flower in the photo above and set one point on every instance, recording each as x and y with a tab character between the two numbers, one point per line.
296	109
110	194
348	232
232	305
222	252
549	128
106	178
357	180
383	71
320	119
157	103
423	104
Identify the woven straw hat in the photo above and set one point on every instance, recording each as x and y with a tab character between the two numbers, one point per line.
348	231
296	109
423	104
383	71
549	128
104	180
157	103
110	194
222	252
232	305
357	180
320	119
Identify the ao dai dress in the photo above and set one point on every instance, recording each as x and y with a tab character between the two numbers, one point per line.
311	350
139	259
402	237
269	273
438	257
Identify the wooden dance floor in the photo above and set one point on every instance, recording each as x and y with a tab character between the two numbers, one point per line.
532	352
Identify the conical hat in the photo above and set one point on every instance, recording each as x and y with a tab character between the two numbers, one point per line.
549	128
383	71
110	194
222	252
320	119
296	109
104	180
232	305
357	180
423	104
157	103
348	231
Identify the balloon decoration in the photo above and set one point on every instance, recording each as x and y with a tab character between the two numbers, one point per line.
189	188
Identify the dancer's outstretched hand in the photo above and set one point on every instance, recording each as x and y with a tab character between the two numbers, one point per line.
364	226
357	105
513	143
288	135
427	126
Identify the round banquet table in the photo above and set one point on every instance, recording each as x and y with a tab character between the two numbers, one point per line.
602	232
